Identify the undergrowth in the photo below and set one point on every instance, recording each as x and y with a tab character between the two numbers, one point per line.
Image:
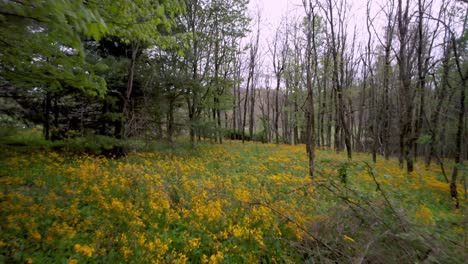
229	203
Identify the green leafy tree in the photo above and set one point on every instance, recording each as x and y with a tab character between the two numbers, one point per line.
141	24
41	49
40	44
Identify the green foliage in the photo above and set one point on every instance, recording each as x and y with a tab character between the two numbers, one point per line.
234	202
260	136
235	134
93	144
343	172
24	140
58	20
41	44
424	139
144	21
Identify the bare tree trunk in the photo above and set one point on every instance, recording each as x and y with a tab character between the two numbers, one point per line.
318	134
458	150
245	106
56	112
323	102
234	107
47	106
285	114
296	128
278	68
250	82
252	111
342	123
310	125
277	110
386	85
440	97
220	132
422	62
239	109
130	75
331	103
463	74
170	120
268	119
406	94
359	143
337	133
374	111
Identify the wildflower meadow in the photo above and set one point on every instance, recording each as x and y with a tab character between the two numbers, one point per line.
229	203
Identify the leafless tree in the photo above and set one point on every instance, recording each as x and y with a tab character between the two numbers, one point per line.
253	52
278	50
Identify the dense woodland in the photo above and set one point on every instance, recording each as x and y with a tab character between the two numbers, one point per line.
162	69
394	86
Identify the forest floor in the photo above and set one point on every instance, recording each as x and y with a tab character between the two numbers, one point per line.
229	203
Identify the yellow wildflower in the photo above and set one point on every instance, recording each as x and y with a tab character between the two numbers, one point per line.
424	215
194	243
214	259
126	251
84	250
36	236
347	238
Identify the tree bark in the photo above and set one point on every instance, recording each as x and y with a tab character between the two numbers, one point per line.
47	106
406	95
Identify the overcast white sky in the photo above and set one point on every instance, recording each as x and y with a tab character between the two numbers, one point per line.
274	11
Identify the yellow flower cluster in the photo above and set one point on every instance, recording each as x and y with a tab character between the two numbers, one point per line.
84	249
223	203
424	215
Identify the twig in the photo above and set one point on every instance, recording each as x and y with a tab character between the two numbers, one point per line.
369	169
337	253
